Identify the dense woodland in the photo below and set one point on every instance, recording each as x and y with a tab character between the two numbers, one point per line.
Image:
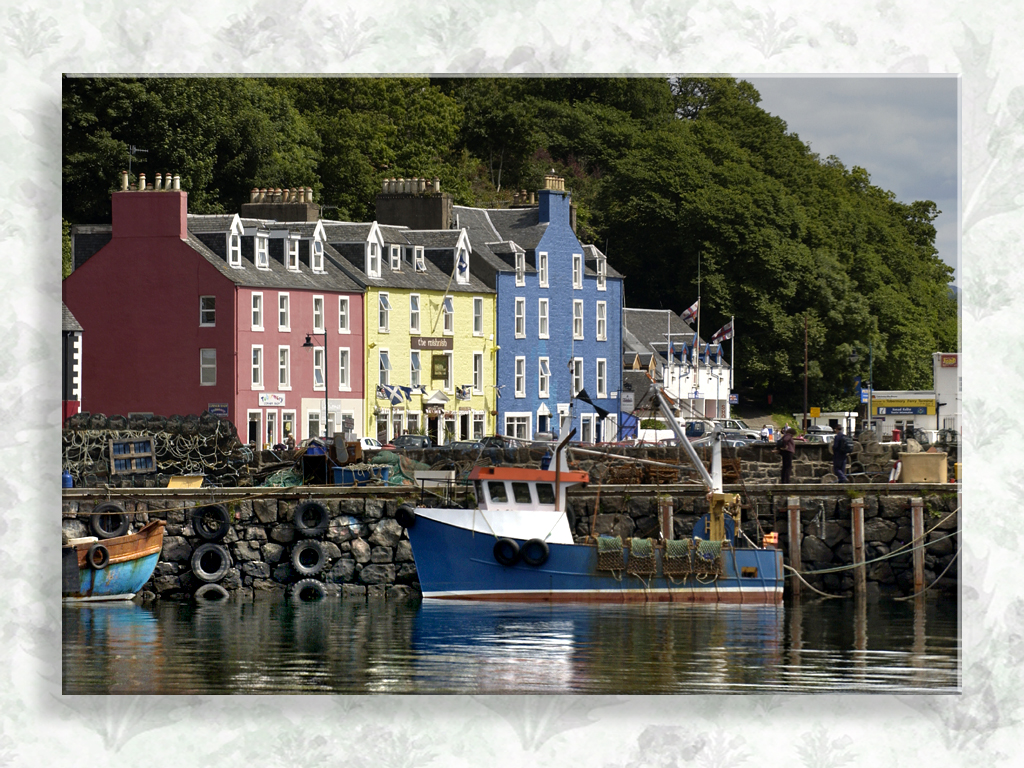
667	174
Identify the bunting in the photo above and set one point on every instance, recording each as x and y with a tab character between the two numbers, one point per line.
691	313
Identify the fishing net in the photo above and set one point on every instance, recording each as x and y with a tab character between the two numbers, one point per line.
641	557
609	553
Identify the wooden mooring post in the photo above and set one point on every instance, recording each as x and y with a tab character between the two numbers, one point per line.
917	532
860	580
796	539
665	514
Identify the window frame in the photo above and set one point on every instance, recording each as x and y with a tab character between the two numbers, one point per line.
478	316
284	312
395	257
256	366
212	310
577	271
577	376
449	383
415	368
414	313
542	268
543	377
383	312
292	253
520	317
448	316
344	369
602	273
234	250
261	254
602	321
543	319
256	315
384	368
418	260
284	373
519	376
316	259
319	367
520	269
206	365
478	373
601	372
373	259
577	319
318	314
344	322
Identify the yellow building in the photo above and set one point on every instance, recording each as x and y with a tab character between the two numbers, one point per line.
429	328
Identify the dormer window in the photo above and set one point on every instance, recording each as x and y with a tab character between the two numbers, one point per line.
234	249
262	252
293	254
520	268
373	259
417	258
602	273
577	270
462	266
317	258
396	258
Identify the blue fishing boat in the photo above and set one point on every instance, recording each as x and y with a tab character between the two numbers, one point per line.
110	569
517	544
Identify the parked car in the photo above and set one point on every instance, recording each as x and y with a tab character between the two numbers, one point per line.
463	445
739	426
404	442
819	429
373	444
699	428
738	438
497	441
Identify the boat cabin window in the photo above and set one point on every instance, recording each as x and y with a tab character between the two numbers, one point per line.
545	493
521	492
496	491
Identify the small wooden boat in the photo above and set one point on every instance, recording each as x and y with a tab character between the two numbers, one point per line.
110	569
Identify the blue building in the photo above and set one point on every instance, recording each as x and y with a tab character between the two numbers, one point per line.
558	317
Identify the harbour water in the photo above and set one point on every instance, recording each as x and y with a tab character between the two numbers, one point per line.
330	646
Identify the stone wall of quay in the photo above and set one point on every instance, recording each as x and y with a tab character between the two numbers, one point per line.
367	553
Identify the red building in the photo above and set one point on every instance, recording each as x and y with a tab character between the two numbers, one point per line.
212	313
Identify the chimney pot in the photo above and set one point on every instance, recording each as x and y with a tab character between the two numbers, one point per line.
309	195
437	184
254	195
124	181
177	182
159	183
142	182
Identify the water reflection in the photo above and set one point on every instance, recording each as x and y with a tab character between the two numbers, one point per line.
330	646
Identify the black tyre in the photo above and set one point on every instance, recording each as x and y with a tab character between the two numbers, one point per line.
405	516
311	518
308	557
506	551
308	590
108	520
211	592
211	522
210	562
535	552
98	557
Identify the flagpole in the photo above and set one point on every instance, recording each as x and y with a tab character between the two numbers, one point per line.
732	353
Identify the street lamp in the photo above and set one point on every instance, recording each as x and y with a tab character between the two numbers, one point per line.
854	357
310	345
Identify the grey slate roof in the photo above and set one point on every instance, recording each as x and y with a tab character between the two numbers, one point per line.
591	253
518	224
643	332
69	323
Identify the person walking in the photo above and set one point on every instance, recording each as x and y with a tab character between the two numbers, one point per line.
787	448
765	433
842	447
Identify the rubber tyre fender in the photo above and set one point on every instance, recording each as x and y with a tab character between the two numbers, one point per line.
506	551
211	562
308	590
311	518
211	522
108	520
535	552
309	557
211	592
405	515
98	557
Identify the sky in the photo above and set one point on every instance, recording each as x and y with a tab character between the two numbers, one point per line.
902	130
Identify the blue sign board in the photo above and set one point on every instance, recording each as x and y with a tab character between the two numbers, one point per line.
734	399
218	409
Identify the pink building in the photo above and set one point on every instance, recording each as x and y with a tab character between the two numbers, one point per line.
194	313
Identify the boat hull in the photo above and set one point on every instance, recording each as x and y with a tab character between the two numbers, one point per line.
459	564
132	560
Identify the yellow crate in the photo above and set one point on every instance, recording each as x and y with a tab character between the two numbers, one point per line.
923	468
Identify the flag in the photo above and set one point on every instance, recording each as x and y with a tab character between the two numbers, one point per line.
463	392
381	393
723	333
691	313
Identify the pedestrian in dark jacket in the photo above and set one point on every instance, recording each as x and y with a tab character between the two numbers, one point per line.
842	446
787	448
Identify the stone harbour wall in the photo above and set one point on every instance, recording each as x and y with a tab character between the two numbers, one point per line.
365	553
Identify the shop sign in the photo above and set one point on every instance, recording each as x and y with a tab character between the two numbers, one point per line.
904	411
433	342
948	361
271	400
627	402
734	399
218	409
